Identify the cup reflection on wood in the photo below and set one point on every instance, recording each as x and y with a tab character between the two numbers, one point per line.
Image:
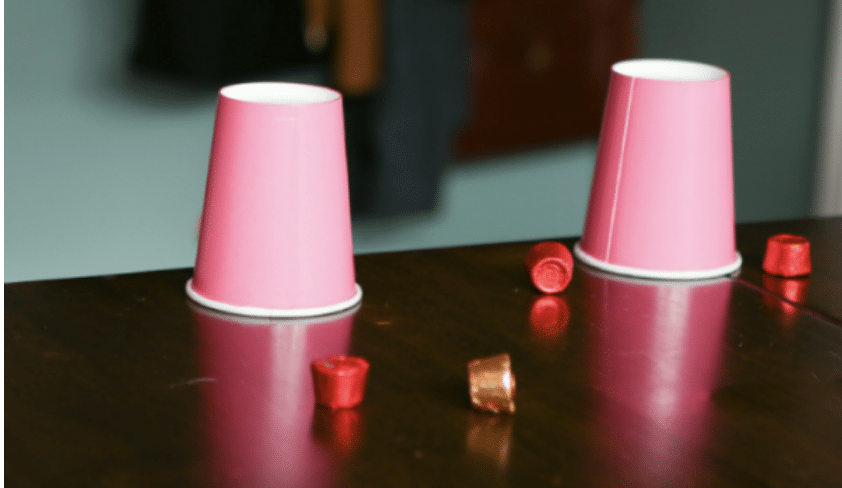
257	397
657	347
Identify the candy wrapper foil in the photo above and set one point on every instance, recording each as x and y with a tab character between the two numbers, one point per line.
492	384
550	266
787	255
339	381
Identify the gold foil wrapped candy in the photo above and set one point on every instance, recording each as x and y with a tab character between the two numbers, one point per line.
492	384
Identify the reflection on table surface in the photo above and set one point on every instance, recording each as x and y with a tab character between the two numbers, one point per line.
656	352
258	399
655	367
821	291
121	381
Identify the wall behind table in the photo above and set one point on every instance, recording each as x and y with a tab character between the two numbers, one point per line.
105	175
775	52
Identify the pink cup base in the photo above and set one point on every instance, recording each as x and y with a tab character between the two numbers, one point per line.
659	274
272	312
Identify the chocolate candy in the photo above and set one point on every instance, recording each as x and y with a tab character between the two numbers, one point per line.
492	384
550	266
339	381
787	255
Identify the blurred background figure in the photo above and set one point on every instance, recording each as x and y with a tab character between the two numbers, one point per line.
400	64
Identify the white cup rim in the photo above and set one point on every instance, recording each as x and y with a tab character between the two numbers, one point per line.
640	281
279	93
264	312
669	70
658	274
251	320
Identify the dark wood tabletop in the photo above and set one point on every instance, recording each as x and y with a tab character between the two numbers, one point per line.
121	381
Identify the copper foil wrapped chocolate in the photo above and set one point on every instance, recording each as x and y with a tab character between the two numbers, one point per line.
550	266
787	255
492	384
339	381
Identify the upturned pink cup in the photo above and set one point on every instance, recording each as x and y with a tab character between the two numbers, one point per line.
275	236
662	197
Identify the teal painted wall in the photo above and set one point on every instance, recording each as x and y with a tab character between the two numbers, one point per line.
775	52
104	176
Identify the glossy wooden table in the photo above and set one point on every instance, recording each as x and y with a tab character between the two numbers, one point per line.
821	292
120	381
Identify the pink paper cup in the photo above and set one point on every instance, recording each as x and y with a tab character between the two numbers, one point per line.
275	236
662	197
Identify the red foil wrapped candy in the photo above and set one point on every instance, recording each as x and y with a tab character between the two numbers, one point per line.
492	384
339	381
550	266
787	255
